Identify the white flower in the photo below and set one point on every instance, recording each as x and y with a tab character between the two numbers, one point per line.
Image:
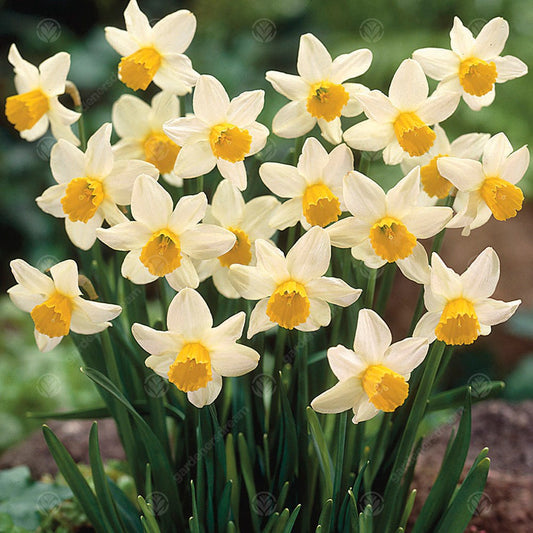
385	227
247	221
319	93
36	105
140	127
193	354
155	53
90	186
220	133
373	376
292	291
161	240
469	146
486	188
473	66
55	304
400	122
460	307
314	186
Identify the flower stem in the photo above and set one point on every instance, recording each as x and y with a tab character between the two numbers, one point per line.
386	287
371	288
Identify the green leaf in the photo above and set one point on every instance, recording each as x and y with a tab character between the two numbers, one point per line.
407	510
247	472
224	506
292	519
149	523
288	438
282	496
321	449
453	399
232	474
281	522
324	520
129	514
194	523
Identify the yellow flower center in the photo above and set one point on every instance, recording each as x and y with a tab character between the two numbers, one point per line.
477	76
320	205
138	69
25	110
391	240
82	198
415	137
192	368
503	198
229	142
458	323
386	389
289	305
160	151
52	317
433	183
326	100
161	255
241	253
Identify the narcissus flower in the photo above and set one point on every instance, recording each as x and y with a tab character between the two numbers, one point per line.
55	303
460	307
314	186
192	354
161	240
221	133
385	227
140	127
247	221
469	146
319	94
90	186
292	291
37	105
155	54
486	188
473	66
400	122
373	376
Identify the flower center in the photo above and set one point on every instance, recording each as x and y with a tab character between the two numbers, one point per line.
161	255
386	389
52	317
503	198
391	240
160	151
192	368
229	142
477	76
326	100
415	137
240	253
138	69
433	183
25	110
82	198
458	323
320	205
289	305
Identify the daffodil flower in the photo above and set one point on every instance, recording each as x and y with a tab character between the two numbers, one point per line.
247	221
221	133
161	240
90	186
55	303
373	376
37	105
319	93
469	146
192	354
488	187
314	186
155	54
399	123
292	291
459	306
385	227
140	128
473	66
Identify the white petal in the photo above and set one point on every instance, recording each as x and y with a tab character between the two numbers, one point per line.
244	109
364	252
133	269
439	106
404	356
206	241
491	39
83	234
364	411
232	359
229	331
126	236
85	316
60	120
256	217
174	32
50	200
369	135
319	315
127	111
363	197
259	134
293	120
66	161
112	214
37	131
344	362
348	232
378	107
394	154
185	276
291	86
461	38
154	341
340	162
25	299
99	155
194	160
186	130
424	222
372	337
234	172
437	63
332	130
426	326
469	146
223	283
165	106
509	68
283	180
287	214
250	282
189	314
27	75
206	395
465	174
122	41
491	312
54	73
150	203
332	290
409	87
31	278
497	149
259	320
404	195
136	21
314	61
160	364
481	277
478	102
312	160
188	212
416	266
210	100
45	343
309	257
352	65
65	276
176	74
353	107
341	397
119	184
228	205
444	281
515	166
271	260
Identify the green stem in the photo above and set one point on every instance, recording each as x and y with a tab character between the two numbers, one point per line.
371	288
193	185
419	309
364	164
339	460
386	288
298	144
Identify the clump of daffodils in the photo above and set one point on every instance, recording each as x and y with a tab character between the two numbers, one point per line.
299	268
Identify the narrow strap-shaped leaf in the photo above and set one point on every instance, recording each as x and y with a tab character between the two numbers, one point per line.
75	480
129	514
232	475
289	458
282	496
248	475
324	520
453	399
292	519
149	523
194	524
319	442
407	510
224	507
282	521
